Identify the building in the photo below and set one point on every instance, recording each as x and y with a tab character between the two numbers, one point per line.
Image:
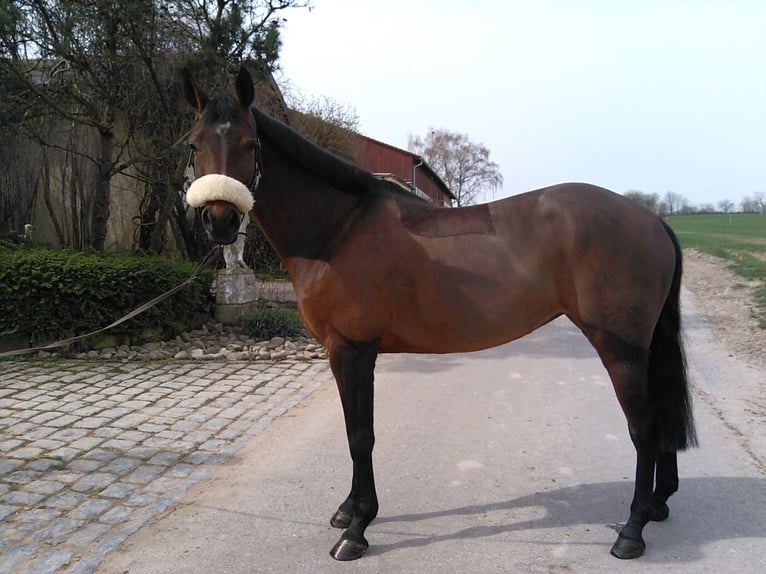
406	169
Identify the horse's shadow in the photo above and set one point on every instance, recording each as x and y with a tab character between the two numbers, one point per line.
705	511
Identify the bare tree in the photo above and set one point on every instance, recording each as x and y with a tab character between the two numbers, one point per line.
328	123
112	67
726	205
649	200
675	203
760	201
463	165
64	62
19	186
749	205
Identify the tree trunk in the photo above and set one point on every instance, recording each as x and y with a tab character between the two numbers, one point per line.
147	214
165	192
101	198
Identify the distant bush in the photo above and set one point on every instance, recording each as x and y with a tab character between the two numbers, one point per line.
266	322
50	295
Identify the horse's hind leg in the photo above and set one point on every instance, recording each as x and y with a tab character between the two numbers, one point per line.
353	365
643	508
646	506
666	483
628	368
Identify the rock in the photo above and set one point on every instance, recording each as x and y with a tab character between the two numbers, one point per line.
215	342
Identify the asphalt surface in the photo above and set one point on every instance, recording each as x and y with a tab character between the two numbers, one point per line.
515	459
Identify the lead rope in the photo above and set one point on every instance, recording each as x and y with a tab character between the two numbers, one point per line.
208	259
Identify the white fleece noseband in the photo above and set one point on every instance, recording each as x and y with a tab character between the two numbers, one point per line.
219	187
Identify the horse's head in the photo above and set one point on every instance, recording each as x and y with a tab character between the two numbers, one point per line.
224	143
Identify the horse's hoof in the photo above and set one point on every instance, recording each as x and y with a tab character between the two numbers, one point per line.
341	519
627	549
346	549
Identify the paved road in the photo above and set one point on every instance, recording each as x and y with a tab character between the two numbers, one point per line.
91	451
511	460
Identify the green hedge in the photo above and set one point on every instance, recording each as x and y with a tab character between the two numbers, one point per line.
50	295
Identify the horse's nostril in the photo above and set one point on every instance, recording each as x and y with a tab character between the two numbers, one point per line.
206	222
233	219
221	222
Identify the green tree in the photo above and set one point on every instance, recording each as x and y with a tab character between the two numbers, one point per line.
463	165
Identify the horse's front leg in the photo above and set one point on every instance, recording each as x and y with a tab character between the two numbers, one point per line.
353	365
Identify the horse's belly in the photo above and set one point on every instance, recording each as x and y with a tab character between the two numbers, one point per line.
472	324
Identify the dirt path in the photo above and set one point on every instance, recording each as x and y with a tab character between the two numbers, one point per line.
727	365
726	300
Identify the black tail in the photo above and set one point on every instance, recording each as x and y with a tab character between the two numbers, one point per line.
669	387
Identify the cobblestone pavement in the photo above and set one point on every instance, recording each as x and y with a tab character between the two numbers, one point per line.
91	451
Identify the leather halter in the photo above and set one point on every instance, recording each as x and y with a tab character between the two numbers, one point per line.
190	173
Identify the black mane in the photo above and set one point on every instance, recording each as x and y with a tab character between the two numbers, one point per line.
340	173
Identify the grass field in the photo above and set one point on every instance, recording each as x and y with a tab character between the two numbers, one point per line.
739	238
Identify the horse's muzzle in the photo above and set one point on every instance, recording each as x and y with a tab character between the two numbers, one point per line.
221	221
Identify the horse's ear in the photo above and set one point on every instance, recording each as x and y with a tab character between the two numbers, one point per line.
244	87
194	94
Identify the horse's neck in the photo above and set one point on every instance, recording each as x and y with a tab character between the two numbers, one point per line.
299	214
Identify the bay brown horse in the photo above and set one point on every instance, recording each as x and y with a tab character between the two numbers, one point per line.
378	270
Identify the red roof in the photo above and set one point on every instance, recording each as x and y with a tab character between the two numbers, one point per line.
380	157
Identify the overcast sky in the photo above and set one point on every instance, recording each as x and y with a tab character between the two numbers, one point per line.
631	95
